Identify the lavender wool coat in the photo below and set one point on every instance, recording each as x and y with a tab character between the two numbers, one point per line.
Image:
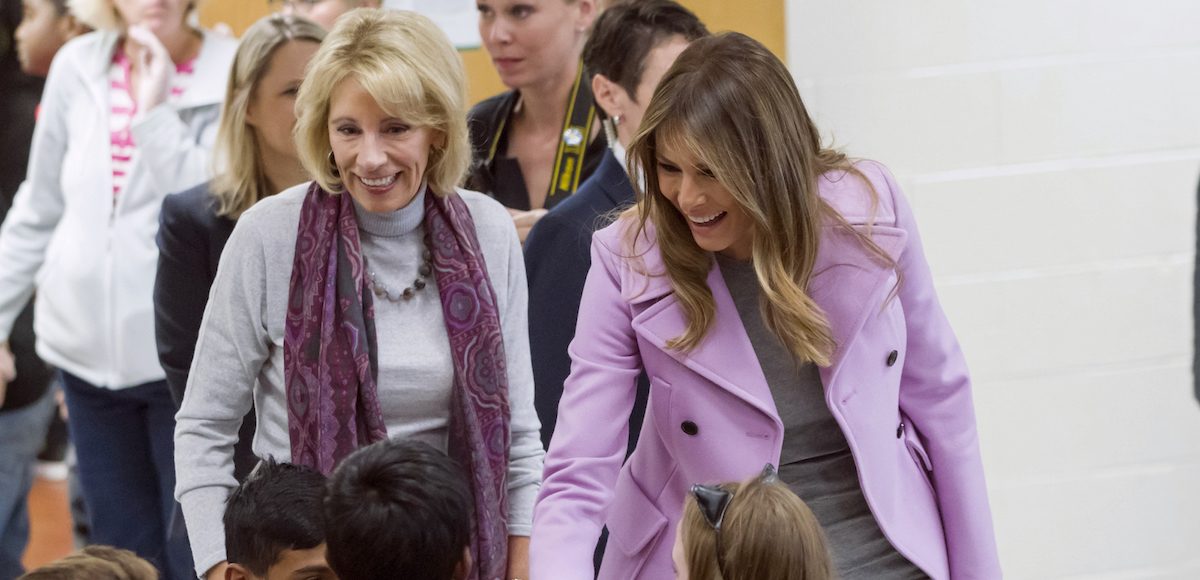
898	387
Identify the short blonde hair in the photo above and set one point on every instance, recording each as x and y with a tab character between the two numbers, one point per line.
103	15
409	66
240	179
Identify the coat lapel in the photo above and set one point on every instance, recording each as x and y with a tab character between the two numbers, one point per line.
848	284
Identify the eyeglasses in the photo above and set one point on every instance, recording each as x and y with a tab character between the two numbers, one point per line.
714	502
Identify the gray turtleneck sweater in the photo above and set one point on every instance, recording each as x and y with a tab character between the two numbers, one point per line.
239	354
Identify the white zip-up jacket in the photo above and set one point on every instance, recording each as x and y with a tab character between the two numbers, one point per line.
93	264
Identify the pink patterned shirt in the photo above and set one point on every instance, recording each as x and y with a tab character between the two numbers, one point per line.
123	108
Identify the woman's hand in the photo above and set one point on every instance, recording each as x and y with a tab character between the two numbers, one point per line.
154	69
518	554
525	220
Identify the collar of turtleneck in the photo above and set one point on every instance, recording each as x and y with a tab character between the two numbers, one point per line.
392	224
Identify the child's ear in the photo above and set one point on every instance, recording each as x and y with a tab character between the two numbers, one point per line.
237	572
463	570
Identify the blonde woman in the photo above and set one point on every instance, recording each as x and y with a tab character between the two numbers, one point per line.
754	530
128	115
777	296
258	158
376	301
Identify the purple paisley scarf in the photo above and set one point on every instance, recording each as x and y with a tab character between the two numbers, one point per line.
330	355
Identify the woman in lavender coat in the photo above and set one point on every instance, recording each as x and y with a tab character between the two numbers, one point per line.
777	295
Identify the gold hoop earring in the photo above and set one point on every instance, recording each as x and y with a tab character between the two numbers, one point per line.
333	166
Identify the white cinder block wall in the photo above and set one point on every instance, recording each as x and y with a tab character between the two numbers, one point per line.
1051	149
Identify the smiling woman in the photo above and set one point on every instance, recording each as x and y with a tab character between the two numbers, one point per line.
318	298
776	294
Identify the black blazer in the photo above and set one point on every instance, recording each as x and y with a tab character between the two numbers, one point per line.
501	177
557	259
191	237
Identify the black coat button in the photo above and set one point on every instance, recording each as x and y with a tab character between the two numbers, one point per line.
892	356
900	430
690	428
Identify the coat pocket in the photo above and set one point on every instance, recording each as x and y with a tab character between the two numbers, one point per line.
634	521
916	450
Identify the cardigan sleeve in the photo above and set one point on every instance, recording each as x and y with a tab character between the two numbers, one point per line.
935	394
525	451
232	347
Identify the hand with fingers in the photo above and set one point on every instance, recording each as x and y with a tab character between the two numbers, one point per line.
154	68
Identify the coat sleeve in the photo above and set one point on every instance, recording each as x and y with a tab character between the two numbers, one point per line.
179	295
935	394
592	433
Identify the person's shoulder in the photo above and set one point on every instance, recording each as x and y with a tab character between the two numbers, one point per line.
219	41
864	195
488	107
84	52
282	207
189	205
487	213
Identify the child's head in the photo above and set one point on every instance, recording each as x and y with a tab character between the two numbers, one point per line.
274	525
399	509
45	27
96	563
756	530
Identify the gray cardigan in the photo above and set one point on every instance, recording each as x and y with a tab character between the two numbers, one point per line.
239	355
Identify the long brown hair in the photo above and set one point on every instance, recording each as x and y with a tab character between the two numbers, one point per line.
768	534
735	107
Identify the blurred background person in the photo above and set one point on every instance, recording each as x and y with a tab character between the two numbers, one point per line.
632	45
46	25
256	157
534	144
421	330
27	403
127	116
323	12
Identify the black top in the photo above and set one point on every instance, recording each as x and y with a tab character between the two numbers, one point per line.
557	259
191	237
501	177
19	96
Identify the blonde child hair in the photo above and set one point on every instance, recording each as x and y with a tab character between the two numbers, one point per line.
754	530
96	563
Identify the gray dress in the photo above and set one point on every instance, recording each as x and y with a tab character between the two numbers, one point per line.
815	462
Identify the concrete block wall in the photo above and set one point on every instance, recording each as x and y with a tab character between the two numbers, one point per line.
1051	149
